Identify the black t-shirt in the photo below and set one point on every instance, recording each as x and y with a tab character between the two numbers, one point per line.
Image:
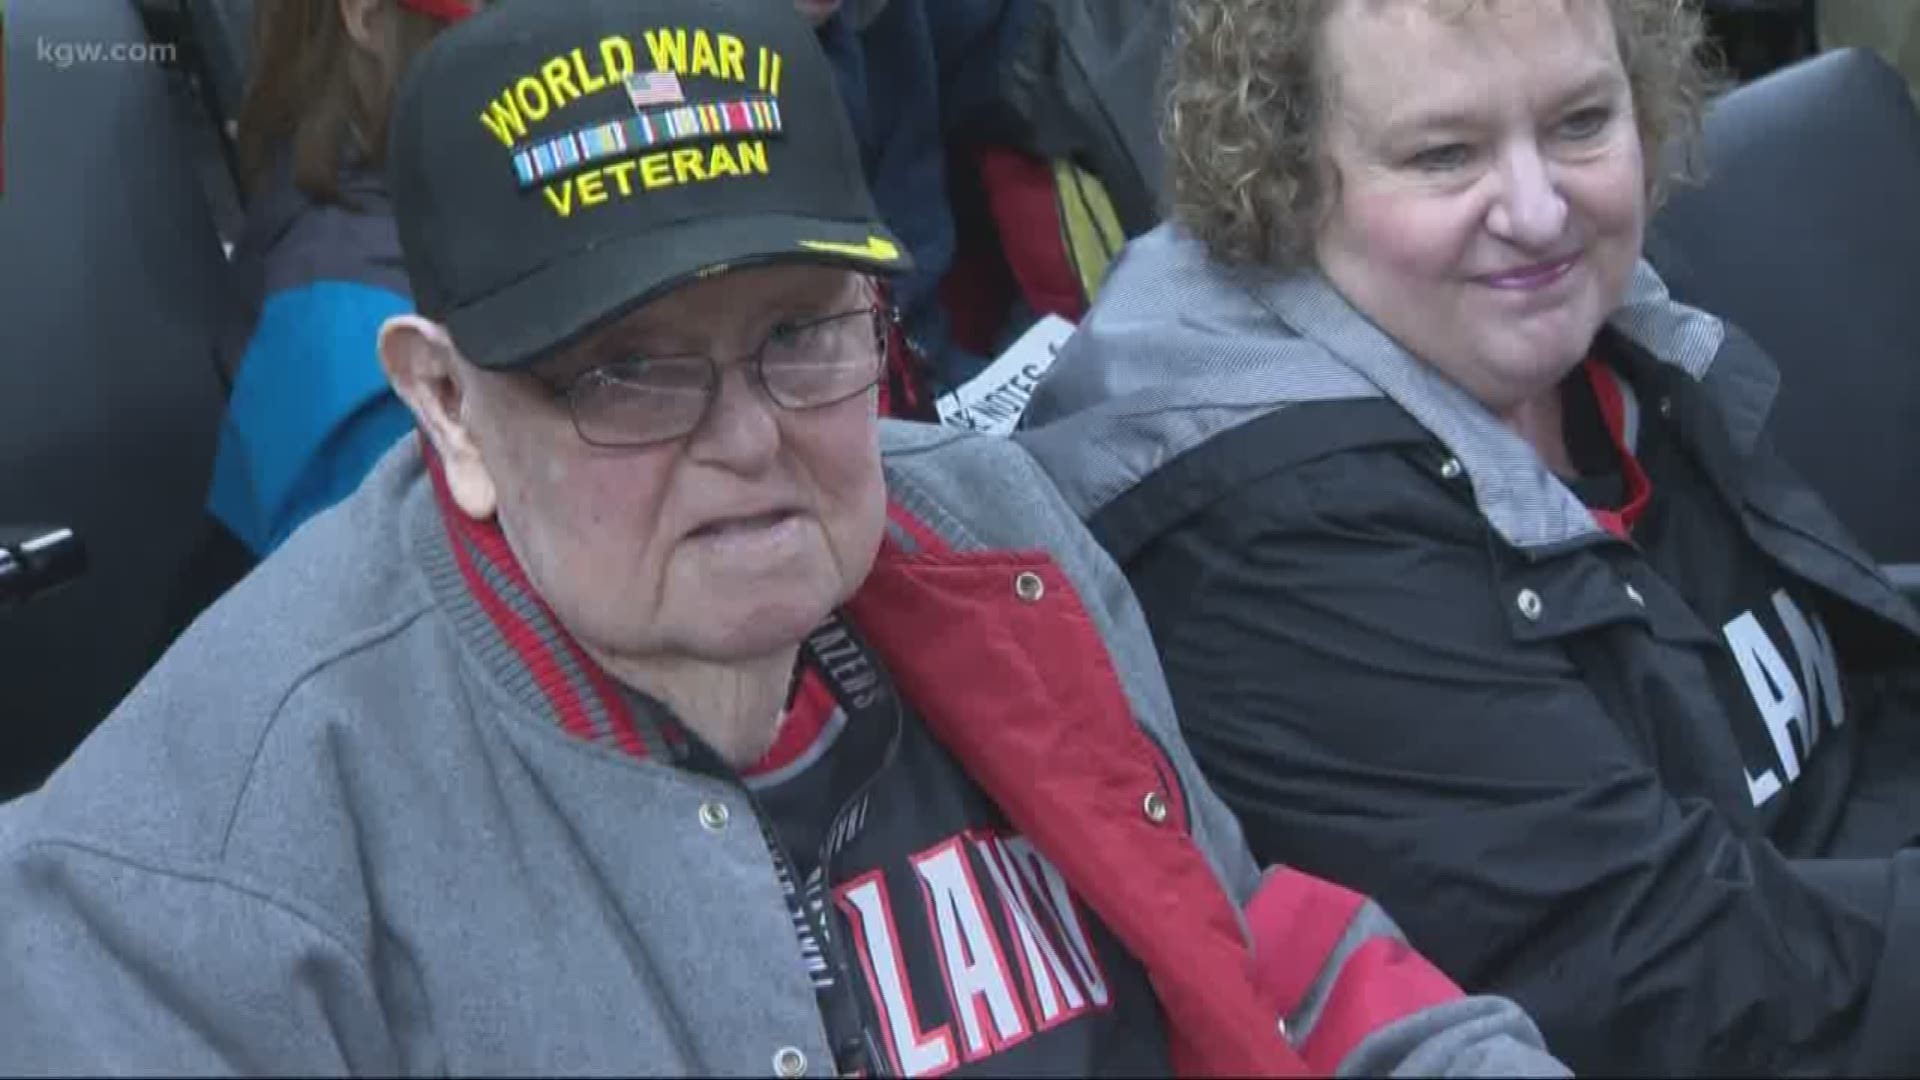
971	954
1776	671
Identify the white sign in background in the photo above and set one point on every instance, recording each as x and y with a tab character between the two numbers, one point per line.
994	400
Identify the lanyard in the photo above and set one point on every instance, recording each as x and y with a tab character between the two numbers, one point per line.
860	687
852	674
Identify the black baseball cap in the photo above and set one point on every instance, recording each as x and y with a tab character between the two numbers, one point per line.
555	164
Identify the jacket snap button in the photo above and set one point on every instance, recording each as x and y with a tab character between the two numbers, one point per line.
1633	594
1666	407
1450	469
790	1063
714	815
1155	807
1028	586
1529	603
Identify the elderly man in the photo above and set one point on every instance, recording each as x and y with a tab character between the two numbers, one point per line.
639	717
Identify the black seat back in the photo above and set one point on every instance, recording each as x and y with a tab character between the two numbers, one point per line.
111	282
223	33
1807	236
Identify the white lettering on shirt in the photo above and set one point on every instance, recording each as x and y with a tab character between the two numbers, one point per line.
877	943
1044	879
1809	706
1053	990
976	968
1040	929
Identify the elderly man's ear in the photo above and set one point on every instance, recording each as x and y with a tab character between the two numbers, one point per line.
426	371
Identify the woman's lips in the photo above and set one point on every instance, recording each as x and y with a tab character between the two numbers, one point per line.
1530	278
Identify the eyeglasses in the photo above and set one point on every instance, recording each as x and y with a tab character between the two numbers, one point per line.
641	401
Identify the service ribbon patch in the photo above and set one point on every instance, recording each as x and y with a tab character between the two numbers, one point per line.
650	130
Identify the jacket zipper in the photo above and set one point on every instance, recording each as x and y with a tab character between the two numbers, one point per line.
830	951
830	944
821	922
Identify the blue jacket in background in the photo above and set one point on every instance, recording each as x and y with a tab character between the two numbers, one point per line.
918	71
311	411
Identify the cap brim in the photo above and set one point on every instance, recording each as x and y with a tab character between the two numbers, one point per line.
568	299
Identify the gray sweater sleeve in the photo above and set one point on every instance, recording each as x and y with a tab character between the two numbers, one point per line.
111	968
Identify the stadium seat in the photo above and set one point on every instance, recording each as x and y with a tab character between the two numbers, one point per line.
1806	234
222	32
112	282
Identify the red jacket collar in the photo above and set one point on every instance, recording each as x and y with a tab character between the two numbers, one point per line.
562	681
1612	395
1026	697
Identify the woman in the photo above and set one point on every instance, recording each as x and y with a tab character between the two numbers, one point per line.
319	262
1477	582
641	717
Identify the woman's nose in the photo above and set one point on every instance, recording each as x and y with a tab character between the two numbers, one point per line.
1529	209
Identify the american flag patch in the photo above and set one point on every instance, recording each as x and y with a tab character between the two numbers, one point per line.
648	89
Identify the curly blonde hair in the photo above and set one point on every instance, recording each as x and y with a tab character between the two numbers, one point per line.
1247	103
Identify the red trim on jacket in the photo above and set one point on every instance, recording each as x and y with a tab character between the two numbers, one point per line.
1381	982
469	538
449	10
1297	922
1613	409
1295	927
924	539
1028	688
807	715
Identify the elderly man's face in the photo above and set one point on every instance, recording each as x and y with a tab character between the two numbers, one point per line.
1491	191
728	544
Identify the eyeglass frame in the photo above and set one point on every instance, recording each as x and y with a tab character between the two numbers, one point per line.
885	321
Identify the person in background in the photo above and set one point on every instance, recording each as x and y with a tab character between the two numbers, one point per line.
912	73
643	716
1479	585
318	261
1888	27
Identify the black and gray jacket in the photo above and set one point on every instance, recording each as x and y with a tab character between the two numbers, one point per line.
1412	661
